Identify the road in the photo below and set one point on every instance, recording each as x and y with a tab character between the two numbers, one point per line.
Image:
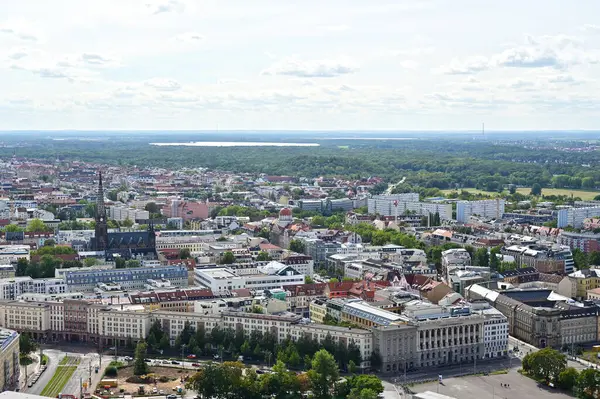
83	371
54	357
525	348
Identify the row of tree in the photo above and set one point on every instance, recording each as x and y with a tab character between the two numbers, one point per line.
233	380
550	366
257	346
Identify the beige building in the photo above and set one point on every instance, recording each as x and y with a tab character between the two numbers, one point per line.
9	360
446	336
593	293
26	317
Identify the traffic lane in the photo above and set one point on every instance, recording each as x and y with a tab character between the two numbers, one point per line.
54	357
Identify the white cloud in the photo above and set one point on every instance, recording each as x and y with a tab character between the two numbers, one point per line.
18	33
337	28
293	66
409	64
189	37
166	6
161	84
560	51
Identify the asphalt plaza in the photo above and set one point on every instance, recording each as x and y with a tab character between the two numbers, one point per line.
491	386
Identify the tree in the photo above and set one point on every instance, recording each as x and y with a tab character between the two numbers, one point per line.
184	253
546	363
164	343
140	367
49	242
22	265
297	246
13	228
366	381
227	258
588	383
26	344
263	256
88	262
494	259
481	257
568	378
352	367
362	394
323	374
120	263
308	280
536	189
375	360
594	258
151	207
36	225
48	265
127	223
132	263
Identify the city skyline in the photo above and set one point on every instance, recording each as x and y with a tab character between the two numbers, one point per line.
178	65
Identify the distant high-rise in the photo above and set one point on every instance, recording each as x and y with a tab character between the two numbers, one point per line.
101	238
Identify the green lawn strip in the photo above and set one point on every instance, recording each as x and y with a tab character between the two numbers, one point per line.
58	381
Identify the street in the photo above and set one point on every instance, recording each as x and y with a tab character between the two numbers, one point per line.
83	371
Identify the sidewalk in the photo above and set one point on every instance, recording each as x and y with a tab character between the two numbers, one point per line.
28	371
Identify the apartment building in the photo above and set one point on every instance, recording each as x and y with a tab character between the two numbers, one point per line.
388	205
12	253
452	259
11	288
575	217
577	284
556	259
584	241
128	279
487	209
9	360
122	213
7	271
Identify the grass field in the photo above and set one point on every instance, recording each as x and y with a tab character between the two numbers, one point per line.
583	194
474	191
62	375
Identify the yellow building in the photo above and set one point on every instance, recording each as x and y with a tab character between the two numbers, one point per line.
9	360
584	281
318	310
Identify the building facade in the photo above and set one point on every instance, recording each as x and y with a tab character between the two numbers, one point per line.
9	360
487	209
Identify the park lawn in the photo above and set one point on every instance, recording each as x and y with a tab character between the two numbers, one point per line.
583	194
61	377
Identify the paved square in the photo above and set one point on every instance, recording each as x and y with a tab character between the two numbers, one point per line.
490	387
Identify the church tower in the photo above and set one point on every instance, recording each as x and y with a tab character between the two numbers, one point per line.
101	239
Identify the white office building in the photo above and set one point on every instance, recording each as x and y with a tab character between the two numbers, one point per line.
487	209
495	330
270	276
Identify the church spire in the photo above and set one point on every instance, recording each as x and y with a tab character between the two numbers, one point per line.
101	236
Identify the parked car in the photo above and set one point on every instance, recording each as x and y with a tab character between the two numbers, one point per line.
216	357
192	356
171	396
195	364
174	362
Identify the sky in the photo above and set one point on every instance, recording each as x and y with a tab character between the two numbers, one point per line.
273	64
